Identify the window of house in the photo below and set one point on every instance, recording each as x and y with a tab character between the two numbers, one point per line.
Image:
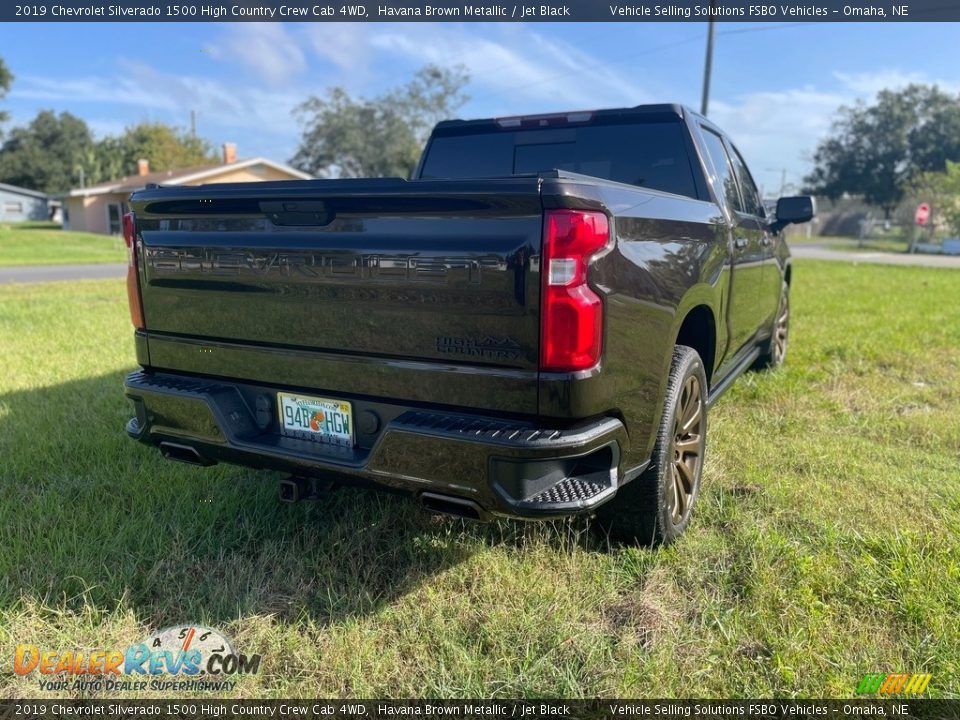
13	207
114	219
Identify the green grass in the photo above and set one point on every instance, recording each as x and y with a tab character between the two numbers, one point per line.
826	543
46	244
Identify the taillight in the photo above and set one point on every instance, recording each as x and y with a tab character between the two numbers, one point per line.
571	328
133	277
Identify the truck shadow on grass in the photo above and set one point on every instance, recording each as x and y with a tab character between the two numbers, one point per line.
89	518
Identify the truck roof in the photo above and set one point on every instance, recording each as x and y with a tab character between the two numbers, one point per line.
664	111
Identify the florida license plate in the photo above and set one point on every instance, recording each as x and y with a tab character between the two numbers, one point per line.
317	419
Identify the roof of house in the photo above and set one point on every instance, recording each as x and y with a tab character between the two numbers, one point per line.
22	191
181	176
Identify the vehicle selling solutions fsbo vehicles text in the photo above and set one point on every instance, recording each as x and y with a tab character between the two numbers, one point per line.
689	11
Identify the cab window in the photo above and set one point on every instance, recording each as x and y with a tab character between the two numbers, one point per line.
752	204
722	169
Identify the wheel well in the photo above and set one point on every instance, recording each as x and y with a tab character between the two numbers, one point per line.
699	332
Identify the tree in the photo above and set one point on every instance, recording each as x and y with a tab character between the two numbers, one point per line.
875	150
345	136
45	154
6	79
166	148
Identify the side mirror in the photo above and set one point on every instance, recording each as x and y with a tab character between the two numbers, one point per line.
791	210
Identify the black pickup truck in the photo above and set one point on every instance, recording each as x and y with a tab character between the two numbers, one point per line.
534	326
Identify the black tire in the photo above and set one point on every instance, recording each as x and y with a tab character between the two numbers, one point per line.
774	351
645	511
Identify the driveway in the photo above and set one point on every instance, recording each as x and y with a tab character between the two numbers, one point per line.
814	252
48	273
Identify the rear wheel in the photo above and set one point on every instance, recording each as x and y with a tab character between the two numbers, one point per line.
775	350
655	508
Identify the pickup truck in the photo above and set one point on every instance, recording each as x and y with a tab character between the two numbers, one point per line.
534	326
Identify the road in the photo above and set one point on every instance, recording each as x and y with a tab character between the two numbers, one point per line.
49	273
814	252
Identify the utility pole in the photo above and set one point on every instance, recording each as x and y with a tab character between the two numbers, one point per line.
708	62
193	123
783	179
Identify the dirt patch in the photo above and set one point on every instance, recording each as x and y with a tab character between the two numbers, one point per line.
756	651
645	615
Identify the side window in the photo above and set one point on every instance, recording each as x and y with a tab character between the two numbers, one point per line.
752	203
721	166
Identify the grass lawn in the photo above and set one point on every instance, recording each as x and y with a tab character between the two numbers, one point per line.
826	543
47	244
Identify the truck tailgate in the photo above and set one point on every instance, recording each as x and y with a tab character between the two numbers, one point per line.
437	273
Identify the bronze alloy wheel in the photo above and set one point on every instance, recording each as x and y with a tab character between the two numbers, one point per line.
656	506
781	330
688	448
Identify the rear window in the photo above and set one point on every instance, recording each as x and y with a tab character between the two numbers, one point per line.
651	155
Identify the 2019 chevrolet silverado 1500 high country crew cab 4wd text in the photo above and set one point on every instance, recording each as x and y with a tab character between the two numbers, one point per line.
534	326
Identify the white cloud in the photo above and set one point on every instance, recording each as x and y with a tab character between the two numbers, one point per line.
777	129
524	73
120	90
870	83
266	48
780	129
346	45
222	105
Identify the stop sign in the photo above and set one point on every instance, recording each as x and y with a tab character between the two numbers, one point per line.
922	214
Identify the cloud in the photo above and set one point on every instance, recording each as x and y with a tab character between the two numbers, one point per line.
777	129
870	83
867	84
265	48
525	73
345	45
223	105
121	90
780	129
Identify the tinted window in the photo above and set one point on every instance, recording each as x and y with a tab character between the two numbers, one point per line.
721	166
652	155
751	196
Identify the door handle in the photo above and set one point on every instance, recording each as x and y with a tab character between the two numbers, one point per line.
740	243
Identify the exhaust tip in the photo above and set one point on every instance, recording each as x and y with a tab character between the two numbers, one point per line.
184	454
451	505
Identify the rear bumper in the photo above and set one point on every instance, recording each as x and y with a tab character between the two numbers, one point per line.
505	467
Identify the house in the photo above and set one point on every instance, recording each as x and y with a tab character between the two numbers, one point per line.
18	204
100	208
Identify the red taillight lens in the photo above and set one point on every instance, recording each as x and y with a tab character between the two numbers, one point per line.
133	278
571	329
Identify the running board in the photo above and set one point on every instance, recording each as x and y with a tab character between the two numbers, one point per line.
721	387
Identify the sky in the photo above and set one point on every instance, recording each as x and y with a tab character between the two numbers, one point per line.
775	87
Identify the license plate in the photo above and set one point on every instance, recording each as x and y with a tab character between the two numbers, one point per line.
318	419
